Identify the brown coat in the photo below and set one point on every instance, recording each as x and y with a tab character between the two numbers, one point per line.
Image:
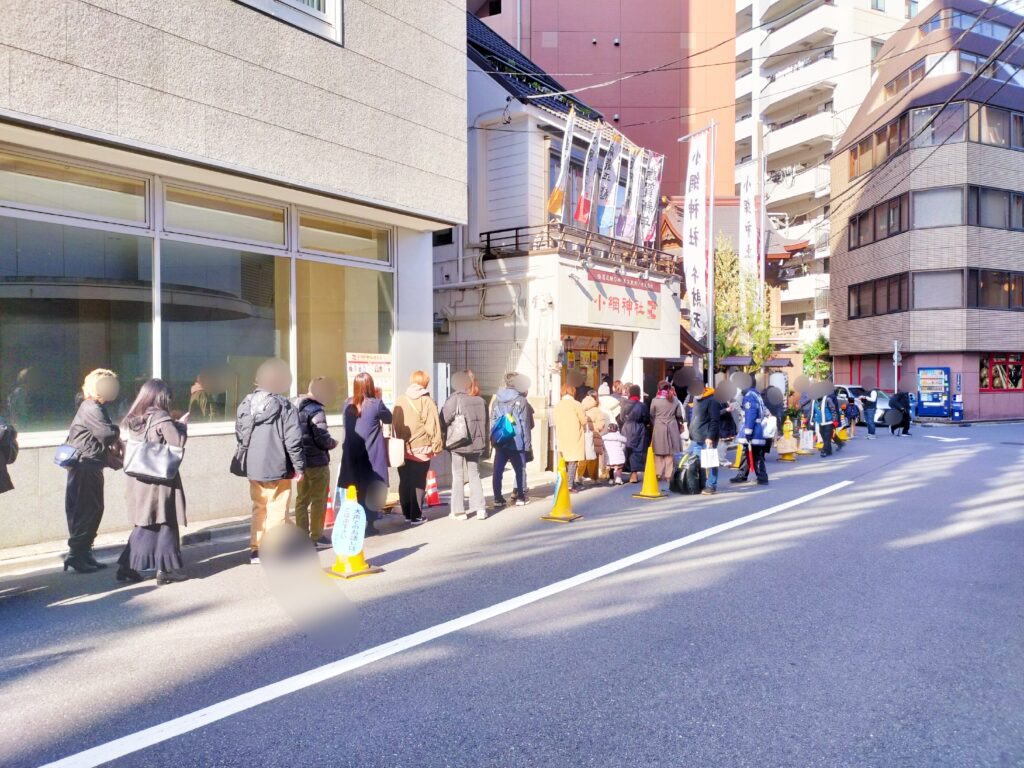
416	422
152	503
569	423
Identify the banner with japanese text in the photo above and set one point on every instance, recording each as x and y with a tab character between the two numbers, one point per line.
590	167
695	251
622	300
652	195
556	200
749	234
608	186
626	227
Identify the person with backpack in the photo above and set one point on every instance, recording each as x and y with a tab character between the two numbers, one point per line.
8	453
825	416
269	452
511	420
311	491
635	419
752	437
156	508
705	431
364	452
464	425
95	440
417	423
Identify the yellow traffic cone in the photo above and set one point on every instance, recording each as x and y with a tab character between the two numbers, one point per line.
739	456
351	566
562	511
786	445
650	488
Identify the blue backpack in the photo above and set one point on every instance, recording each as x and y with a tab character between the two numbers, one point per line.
503	429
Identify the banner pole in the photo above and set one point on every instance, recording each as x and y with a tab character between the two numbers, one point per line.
711	260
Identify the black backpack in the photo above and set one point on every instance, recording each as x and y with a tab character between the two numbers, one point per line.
687	478
8	442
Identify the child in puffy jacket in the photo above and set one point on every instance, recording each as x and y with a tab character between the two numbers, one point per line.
614	452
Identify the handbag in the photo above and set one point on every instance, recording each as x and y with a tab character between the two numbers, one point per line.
145	460
709	458
396	451
770	427
457	435
114	455
66	456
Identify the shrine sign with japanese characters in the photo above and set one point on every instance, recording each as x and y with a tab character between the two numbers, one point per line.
622	300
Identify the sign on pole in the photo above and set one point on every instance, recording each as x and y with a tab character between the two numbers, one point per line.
695	251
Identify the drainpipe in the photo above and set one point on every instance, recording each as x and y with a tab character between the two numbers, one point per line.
519	25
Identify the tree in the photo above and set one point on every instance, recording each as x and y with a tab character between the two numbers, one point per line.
742	324
817	358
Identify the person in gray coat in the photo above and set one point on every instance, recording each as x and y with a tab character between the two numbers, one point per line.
267	427
155	507
466	456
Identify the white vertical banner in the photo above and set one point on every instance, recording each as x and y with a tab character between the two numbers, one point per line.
590	166
608	187
695	234
631	209
652	195
556	200
750	222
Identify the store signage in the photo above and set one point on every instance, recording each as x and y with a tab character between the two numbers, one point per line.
379	366
623	300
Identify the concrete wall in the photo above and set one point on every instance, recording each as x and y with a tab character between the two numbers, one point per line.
382	118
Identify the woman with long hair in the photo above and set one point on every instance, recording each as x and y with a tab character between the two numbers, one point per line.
155	507
95	438
417	423
364	456
667	424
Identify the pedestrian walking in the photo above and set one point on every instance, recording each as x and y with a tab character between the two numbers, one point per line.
416	422
464	424
752	437
570	423
614	452
8	453
666	421
96	441
869	403
515	445
900	402
270	449
597	420
156	508
705	432
364	454
832	396
311	491
635	419
824	416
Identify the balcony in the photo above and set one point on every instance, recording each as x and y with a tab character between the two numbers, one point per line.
805	184
524	241
808	132
804	288
745	86
810	77
799	32
744	130
821	304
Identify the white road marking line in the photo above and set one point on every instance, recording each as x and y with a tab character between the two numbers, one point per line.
947	439
126	745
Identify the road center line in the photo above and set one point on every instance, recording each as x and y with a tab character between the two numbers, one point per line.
179	726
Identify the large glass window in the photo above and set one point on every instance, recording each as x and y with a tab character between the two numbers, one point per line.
340	310
990	125
326	234
71	300
945	127
232	218
941	207
938	290
224	311
1002	372
994	208
49	185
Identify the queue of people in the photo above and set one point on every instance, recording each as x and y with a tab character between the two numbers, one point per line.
602	435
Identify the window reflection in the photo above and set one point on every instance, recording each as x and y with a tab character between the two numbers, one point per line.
224	311
71	300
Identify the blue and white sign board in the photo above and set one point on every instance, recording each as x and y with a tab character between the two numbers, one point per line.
933	392
349	526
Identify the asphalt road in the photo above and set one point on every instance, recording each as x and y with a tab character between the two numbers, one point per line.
880	624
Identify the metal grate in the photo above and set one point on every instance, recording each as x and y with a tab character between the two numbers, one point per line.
491	360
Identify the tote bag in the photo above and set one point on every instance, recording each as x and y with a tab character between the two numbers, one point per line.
150	461
589	449
458	431
396	447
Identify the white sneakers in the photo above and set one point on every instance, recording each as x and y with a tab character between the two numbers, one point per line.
481	514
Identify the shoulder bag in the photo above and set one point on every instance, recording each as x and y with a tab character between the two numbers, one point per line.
149	461
457	435
66	456
238	461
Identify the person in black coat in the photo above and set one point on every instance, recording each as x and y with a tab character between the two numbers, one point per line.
8	453
317	444
94	436
705	432
635	419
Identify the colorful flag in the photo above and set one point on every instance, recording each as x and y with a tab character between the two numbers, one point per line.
556	200
590	166
649	204
749	235
695	254
609	185
626	227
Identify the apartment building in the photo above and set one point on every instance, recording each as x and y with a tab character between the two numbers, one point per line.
585	44
189	188
803	69
929	233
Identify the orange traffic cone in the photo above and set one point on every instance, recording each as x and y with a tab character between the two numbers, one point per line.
433	495
329	512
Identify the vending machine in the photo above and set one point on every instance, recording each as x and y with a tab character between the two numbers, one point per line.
933	392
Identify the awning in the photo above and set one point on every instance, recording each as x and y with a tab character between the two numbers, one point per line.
778	362
690	345
734	361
